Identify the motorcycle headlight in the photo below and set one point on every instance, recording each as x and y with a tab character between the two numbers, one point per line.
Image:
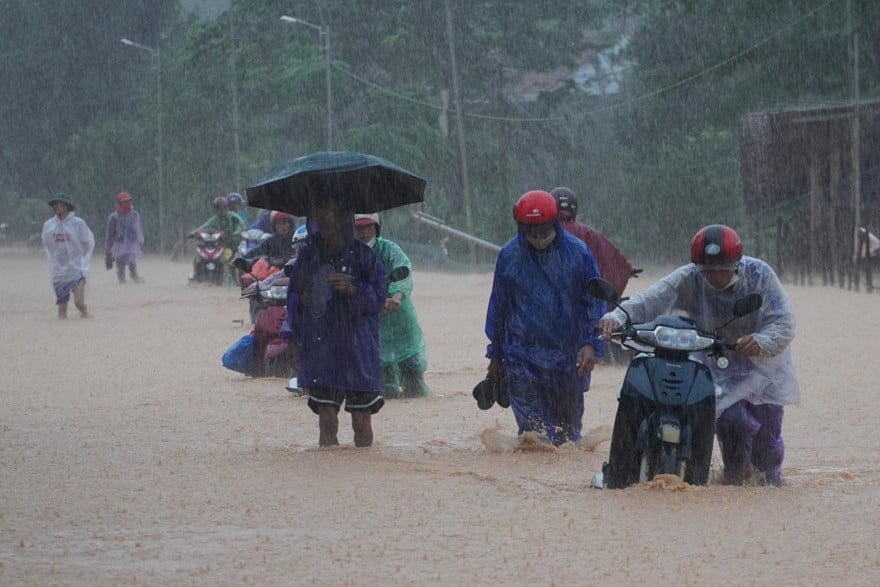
679	339
276	292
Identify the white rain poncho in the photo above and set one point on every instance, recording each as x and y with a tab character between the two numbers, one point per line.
768	378
69	244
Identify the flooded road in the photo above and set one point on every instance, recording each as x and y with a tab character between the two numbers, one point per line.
128	455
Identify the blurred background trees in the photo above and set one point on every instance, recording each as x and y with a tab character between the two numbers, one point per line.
633	104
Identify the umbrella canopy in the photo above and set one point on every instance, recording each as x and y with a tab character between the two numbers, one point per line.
363	183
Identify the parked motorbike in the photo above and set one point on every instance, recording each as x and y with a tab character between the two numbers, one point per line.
263	267
208	265
275	356
665	421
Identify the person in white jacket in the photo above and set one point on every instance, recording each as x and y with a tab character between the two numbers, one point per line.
761	378
69	244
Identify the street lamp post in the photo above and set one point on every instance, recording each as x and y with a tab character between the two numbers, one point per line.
158	55
324	41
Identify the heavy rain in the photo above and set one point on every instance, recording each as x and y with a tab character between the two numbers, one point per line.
133	450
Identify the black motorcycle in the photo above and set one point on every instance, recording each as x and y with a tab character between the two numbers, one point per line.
665	422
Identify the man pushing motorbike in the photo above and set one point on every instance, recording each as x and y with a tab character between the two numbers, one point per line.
760	378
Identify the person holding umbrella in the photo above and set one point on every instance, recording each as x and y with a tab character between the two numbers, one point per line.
69	244
336	295
338	285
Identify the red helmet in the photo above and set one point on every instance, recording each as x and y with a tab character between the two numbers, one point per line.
275	216
535	207
123	197
716	244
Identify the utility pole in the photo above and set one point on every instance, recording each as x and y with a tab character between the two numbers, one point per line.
855	143
157	54
324	43
459	128
232	65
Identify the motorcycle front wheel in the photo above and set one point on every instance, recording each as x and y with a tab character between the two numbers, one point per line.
702	441
624	459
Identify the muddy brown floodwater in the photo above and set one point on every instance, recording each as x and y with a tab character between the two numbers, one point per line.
128	455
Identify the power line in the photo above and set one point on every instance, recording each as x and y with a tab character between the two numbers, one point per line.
778	32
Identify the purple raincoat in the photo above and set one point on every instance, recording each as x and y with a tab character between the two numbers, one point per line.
338	334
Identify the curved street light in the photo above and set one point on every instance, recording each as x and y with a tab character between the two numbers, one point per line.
324	41
158	55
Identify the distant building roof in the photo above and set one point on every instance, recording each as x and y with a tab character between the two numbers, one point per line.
598	72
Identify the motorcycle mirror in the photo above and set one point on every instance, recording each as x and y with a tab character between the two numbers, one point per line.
241	264
744	307
747	305
602	290
399	273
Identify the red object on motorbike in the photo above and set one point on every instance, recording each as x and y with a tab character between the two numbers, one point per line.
209	265
275	356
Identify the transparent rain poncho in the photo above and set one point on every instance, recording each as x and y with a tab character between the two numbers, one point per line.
69	244
767	378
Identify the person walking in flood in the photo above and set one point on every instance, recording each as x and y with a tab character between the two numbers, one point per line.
613	264
335	296
125	238
541	322
401	343
69	243
760	378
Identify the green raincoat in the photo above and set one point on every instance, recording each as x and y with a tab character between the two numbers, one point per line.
401	343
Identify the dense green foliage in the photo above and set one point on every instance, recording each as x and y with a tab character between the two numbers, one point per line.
652	161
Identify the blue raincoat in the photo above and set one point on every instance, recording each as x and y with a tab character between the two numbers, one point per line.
539	313
338	335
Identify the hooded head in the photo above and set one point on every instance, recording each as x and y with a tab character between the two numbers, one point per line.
567	202
335	223
366	228
123	202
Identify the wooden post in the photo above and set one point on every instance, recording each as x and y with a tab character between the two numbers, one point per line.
459	129
815	209
835	235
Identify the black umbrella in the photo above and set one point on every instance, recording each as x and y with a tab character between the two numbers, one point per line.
363	183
